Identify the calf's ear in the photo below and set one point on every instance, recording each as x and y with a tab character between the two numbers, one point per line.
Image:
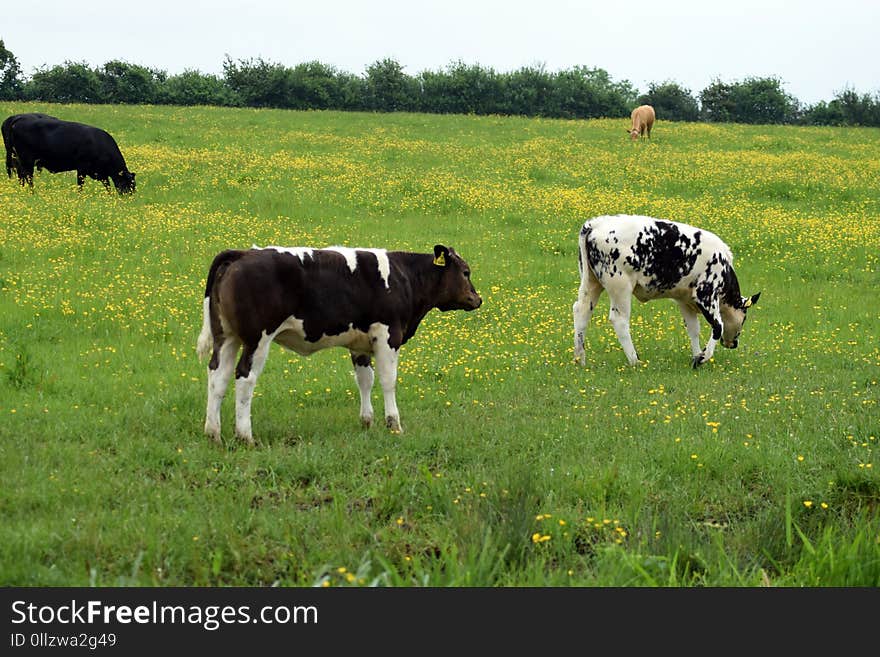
748	302
440	254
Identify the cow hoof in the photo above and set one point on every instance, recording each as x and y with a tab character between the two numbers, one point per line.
248	440
393	424
213	433
698	360
367	421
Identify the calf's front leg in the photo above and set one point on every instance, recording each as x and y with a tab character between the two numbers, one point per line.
363	374
621	306
692	324
712	313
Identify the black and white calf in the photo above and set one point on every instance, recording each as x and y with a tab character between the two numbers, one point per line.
369	301
653	259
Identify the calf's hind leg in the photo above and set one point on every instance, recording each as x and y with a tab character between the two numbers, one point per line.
219	374
582	310
251	363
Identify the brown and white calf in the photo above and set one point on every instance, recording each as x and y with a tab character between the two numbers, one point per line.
653	259
369	301
642	121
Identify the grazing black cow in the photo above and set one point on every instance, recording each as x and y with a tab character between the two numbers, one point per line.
369	301
658	259
6	130
56	145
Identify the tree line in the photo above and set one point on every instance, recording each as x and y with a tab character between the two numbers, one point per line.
576	93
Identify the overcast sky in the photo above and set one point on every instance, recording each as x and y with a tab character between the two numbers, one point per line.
815	47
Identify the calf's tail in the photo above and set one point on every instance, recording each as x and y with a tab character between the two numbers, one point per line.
583	258
222	260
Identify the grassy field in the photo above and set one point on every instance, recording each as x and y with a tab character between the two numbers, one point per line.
516	467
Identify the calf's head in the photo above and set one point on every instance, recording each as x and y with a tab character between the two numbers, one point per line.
733	316
456	292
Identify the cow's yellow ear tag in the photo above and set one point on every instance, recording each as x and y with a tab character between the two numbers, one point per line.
748	303
440	261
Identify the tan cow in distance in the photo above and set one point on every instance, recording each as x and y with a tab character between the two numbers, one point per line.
642	121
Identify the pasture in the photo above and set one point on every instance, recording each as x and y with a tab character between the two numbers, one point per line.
516	467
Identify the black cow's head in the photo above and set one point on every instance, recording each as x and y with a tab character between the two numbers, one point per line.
124	182
456	290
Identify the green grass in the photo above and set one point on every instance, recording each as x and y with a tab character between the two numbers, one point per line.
516	467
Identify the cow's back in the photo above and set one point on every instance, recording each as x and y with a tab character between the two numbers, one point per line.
265	287
656	254
10	121
6	128
642	115
60	145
